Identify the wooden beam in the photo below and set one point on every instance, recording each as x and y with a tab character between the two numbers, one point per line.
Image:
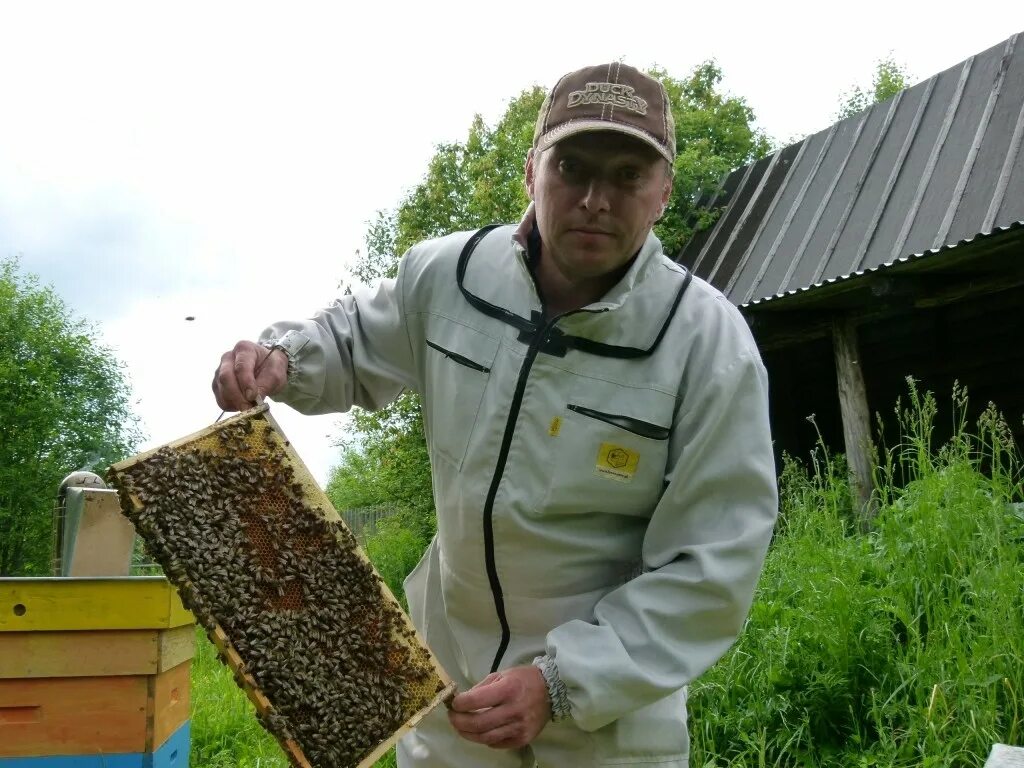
773	330
971	286
879	300
853	405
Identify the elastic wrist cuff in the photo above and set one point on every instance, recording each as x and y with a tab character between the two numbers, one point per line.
290	343
557	692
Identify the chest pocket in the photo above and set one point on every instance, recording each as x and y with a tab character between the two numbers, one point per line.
458	367
610	455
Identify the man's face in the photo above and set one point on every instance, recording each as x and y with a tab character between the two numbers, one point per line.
596	197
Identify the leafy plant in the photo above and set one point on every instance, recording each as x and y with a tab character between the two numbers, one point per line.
64	405
901	647
890	77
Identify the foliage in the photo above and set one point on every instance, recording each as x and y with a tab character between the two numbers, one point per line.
467	185
64	405
387	463
889	79
395	548
899	648
714	135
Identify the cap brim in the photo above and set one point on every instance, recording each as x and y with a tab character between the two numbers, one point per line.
574	127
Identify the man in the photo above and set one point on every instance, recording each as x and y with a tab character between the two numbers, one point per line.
597	425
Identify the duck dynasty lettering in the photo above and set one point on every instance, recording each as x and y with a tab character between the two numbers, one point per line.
608	93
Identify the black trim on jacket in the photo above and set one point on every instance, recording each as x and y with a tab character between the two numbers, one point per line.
541	336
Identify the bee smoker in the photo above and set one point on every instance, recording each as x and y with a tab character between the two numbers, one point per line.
90	535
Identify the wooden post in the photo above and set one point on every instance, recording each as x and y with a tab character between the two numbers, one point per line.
853	405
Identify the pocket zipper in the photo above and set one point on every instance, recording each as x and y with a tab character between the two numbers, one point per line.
455	357
636	426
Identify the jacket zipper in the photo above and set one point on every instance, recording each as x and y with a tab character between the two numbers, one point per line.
628	423
532	350
506	442
534	347
455	357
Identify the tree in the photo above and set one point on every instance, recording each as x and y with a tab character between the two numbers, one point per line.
714	135
479	181
889	79
387	463
63	406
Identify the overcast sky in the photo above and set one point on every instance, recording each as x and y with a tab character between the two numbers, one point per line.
221	160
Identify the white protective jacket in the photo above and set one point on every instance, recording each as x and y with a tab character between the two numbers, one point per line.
604	481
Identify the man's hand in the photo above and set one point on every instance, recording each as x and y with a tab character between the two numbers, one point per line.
506	710
247	373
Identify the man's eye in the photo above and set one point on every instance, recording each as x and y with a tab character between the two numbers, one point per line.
569	167
630	174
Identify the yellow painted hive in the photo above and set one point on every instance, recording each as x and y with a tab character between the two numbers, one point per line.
260	556
94	671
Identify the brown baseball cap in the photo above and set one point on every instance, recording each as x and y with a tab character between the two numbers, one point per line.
608	97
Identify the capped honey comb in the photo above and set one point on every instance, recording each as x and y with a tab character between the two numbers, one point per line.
296	610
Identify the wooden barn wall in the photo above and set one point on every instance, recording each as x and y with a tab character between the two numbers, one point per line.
802	383
978	342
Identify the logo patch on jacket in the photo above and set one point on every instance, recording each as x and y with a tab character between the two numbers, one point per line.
616	462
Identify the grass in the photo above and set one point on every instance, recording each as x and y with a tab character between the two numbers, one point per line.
900	647
225	733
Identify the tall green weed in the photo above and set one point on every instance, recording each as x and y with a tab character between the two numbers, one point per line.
900	647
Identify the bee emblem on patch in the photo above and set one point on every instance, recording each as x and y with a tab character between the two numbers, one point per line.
616	462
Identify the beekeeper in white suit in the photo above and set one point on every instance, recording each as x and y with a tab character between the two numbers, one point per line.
597	422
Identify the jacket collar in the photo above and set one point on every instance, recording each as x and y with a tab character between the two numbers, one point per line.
628	322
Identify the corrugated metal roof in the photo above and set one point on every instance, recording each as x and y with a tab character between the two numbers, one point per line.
936	165
994	236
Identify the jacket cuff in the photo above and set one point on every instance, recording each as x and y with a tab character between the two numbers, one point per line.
291	342
557	692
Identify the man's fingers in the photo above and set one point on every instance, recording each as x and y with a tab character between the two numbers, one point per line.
247	373
481	721
505	711
225	384
246	358
508	736
490	692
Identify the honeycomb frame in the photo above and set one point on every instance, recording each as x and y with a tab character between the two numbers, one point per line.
253	450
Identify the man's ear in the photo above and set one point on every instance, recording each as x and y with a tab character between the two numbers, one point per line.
530	172
666	195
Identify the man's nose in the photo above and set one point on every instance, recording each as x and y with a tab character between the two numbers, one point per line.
596	195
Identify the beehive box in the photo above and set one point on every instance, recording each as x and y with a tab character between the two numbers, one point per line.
314	636
94	672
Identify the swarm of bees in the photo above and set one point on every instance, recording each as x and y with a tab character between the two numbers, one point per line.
309	624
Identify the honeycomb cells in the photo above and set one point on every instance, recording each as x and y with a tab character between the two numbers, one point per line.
251	542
